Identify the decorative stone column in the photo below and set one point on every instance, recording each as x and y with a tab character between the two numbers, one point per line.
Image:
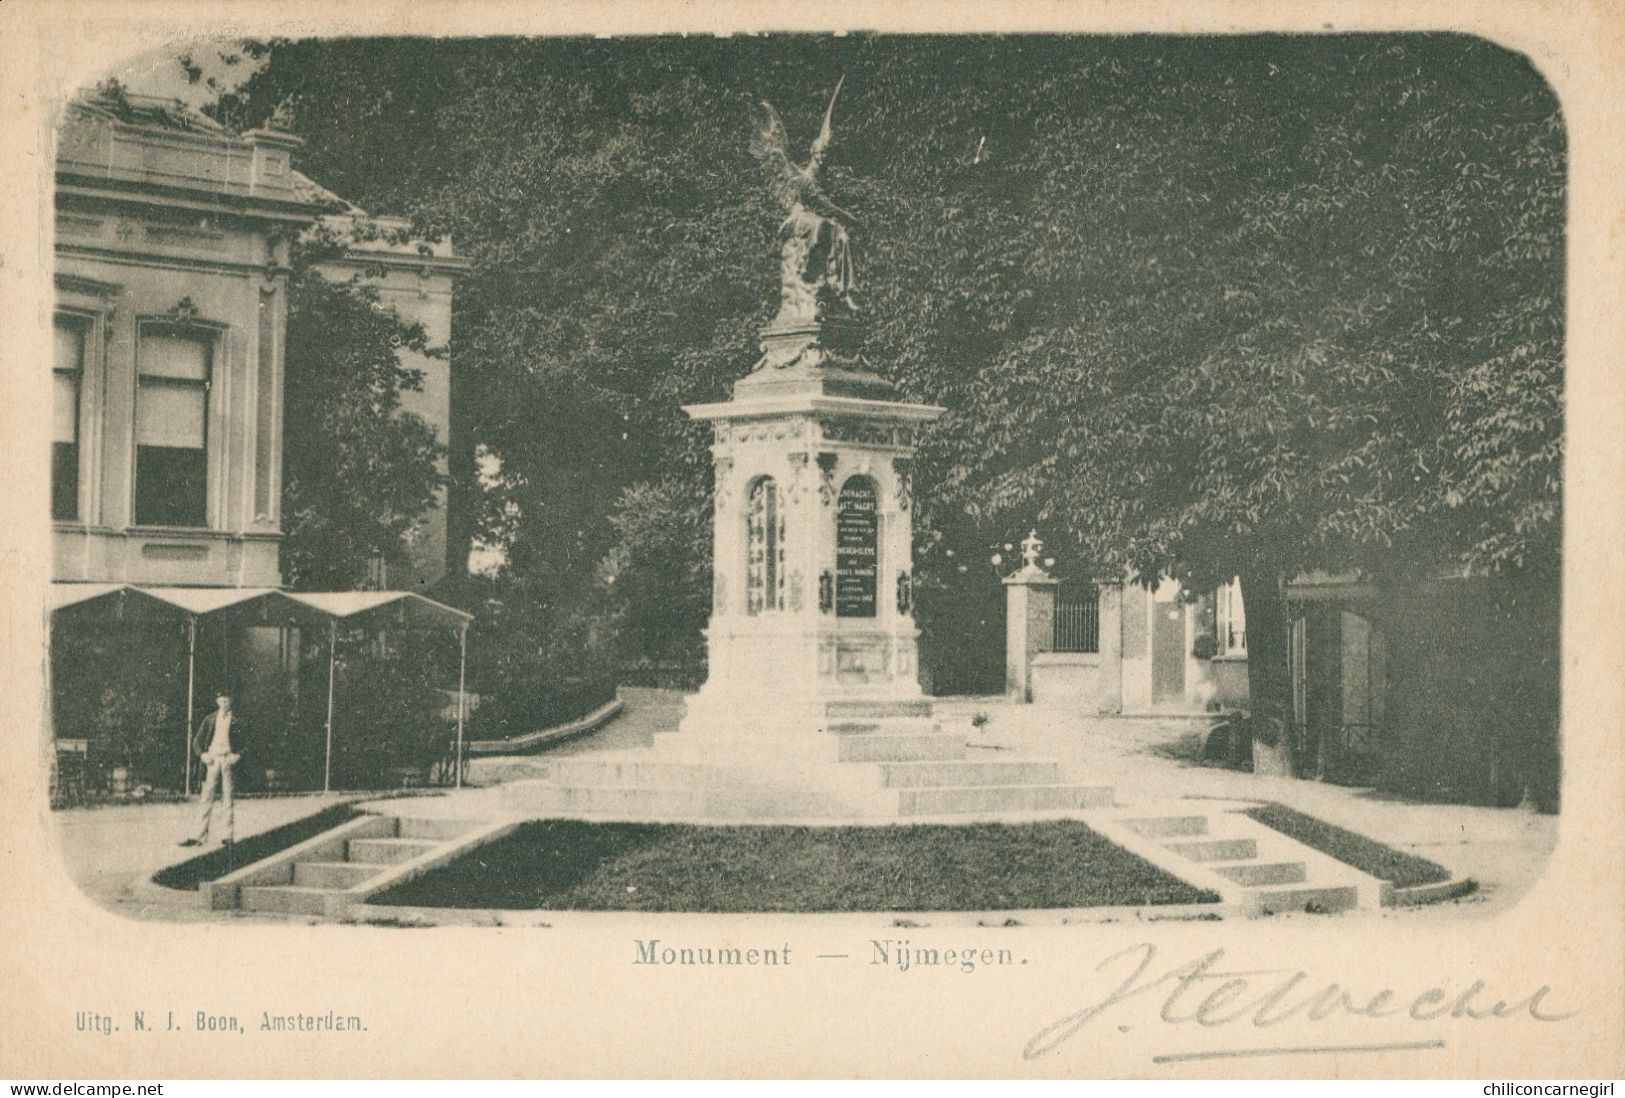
1029	620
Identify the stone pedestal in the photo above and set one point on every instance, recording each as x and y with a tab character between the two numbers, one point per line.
812	712
812	584
1029	627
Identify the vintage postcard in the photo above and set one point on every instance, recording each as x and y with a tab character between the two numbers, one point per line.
992	541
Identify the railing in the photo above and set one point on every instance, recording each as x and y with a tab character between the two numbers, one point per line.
1077	619
1355	756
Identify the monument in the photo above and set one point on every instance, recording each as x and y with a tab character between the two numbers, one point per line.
812	707
813	560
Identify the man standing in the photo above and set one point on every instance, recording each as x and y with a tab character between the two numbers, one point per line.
215	744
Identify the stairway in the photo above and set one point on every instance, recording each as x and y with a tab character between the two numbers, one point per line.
1257	870
868	760
325	875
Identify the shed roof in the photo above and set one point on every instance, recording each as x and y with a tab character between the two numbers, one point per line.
203	601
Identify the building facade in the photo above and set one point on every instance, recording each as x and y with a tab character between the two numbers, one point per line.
173	241
172	252
1117	646
172	267
1446	688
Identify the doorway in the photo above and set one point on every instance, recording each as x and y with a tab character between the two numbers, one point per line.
1167	653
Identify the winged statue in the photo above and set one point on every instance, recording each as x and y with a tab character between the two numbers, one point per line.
815	269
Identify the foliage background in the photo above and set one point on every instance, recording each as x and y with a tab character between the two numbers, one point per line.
1208	306
357	470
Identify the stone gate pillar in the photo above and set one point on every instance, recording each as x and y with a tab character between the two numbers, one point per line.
1029	620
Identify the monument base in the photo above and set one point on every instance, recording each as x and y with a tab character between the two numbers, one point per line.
777	676
852	761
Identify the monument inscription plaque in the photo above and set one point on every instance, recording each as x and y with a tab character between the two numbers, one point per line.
855	549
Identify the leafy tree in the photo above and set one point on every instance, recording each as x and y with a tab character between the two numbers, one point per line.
1241	306
390	713
1333	342
663	585
358	472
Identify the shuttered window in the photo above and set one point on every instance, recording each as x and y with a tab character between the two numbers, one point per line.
171	428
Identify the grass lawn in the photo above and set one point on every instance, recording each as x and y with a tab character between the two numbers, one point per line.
1368	856
574	865
217	862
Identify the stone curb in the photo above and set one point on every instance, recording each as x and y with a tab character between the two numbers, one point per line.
549	918
531	741
1438	892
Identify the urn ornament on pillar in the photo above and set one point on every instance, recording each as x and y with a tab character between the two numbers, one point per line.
1029	617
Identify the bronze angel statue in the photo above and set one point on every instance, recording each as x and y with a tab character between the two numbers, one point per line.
815	254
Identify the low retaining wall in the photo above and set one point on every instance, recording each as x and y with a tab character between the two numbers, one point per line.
1070	679
535	741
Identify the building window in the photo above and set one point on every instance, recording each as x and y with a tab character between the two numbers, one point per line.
67	381
764	560
377	572
171	428
1230	618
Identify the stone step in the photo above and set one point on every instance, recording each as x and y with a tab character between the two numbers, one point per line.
333	874
386	851
1217	850
909	747
1270	901
632	800
434	829
868	709
285	899
923	725
915	775
1001	798
1264	873
309	879
1161	827
758	804
650	802
586	770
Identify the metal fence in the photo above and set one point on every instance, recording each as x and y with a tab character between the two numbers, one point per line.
1077	618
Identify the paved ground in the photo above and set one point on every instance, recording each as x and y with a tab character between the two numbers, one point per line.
112	852
1504	849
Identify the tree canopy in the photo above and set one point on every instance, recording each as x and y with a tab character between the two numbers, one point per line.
357	472
1214	306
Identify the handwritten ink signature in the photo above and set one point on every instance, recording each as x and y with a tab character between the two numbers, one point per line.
1270	996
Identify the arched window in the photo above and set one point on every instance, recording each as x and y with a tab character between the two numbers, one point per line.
857	549
764	560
